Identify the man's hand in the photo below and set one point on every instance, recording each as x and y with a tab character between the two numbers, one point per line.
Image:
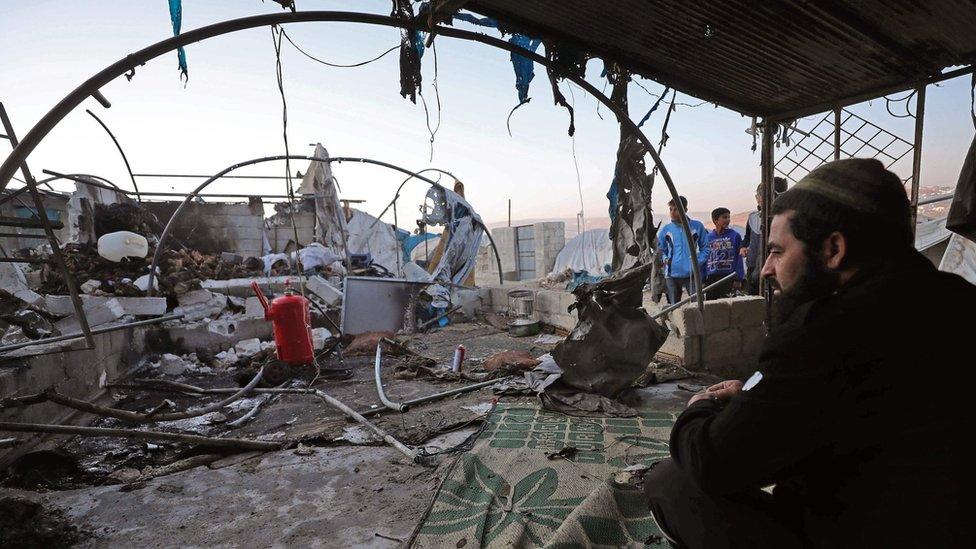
743	252
720	392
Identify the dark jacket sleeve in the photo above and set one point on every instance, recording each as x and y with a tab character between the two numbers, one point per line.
747	237
754	439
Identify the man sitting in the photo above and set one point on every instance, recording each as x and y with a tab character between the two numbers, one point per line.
861	450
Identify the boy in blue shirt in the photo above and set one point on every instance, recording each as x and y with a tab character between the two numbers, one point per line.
676	254
722	256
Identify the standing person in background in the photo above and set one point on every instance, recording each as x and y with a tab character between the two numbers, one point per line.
752	245
722	259
752	242
676	253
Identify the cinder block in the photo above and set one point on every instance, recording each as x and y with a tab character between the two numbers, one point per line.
722	346
485	295
718	315
747	311
566	299
320	287
138	306
692	352
97	315
687	321
752	340
547	302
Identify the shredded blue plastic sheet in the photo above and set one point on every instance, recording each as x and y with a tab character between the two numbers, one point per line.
176	16
410	241
524	67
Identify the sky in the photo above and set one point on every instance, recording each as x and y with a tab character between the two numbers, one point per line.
230	110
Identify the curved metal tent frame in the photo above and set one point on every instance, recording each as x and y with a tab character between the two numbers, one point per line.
179	209
131	61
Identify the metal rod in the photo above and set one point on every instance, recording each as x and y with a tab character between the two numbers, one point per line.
670	308
57	260
118	146
19	235
397	406
437	396
195	176
95	331
412	454
139	434
837	125
917	153
438	317
8	443
934	199
101	99
768	182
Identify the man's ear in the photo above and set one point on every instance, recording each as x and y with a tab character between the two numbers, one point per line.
834	250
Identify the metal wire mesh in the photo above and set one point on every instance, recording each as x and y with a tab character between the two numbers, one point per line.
858	138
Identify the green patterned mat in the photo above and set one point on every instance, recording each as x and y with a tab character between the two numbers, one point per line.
506	492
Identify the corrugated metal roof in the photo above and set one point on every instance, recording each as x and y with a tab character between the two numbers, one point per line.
760	57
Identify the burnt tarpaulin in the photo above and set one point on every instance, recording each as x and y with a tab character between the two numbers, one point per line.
615	339
330	220
444	207
411	48
632	229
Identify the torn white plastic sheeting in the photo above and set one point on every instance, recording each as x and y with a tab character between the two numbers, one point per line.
425	249
330	221
376	239
960	258
588	251
313	256
462	227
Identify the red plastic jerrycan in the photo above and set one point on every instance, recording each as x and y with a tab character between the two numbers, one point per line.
292	323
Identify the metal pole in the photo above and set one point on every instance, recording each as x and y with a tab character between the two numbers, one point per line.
510	212
95	331
670	308
768	129
118	146
436	396
56	258
917	153
837	133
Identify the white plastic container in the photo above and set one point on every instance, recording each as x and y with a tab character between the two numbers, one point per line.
121	244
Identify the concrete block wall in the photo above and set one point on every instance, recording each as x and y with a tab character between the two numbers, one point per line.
550	239
505	240
732	330
214	227
550	306
280	235
77	374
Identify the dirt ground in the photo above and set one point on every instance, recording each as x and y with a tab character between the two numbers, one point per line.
333	485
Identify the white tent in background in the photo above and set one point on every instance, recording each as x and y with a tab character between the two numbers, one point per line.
589	251
378	239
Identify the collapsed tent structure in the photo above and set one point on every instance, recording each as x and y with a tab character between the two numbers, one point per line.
322	399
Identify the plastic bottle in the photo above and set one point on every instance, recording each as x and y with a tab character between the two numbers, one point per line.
117	245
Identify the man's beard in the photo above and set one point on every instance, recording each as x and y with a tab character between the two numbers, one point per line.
817	281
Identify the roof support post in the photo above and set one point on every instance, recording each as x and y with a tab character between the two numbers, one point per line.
767	164
917	152
837	124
